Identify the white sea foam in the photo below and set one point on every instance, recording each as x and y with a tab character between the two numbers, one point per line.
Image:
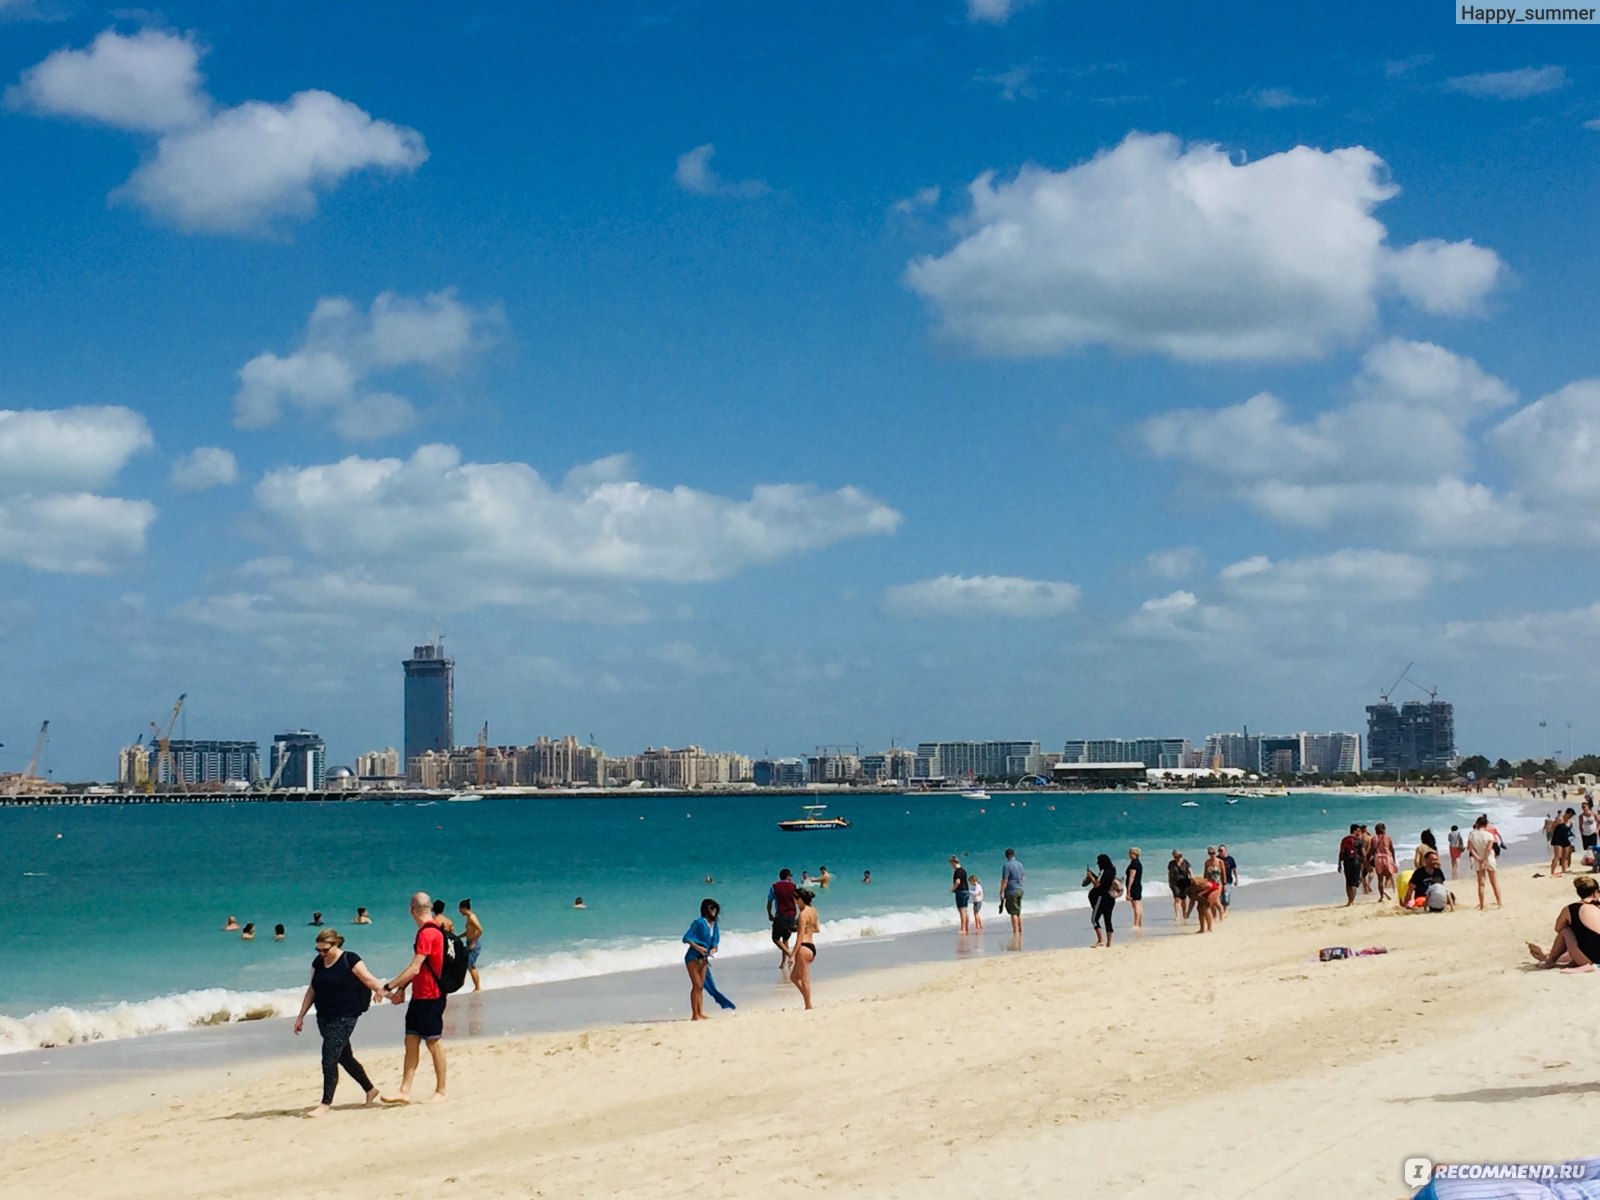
65	1026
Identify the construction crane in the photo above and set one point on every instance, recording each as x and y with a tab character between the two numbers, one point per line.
19	783
163	744
271	785
1383	696
483	751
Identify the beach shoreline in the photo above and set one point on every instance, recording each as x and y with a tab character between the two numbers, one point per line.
1038	1070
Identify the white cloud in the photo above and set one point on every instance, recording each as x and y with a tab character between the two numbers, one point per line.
1346	576
1154	246
67	449
248	165
694	174
1181	617
1510	85
1553	446
992	12
218	170
204	467
1447	278
981	596
1276	97
1176	563
1564	632
343	348
73	533
500	532
924	197
1395	456
1014	83
147	81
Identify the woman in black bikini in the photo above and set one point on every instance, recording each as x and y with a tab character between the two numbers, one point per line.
805	943
1577	944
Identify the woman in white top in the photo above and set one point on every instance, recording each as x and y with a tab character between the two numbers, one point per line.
1480	847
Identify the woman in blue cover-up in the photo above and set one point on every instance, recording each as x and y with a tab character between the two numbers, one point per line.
702	939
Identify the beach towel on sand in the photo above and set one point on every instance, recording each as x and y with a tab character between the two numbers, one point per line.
1585	1188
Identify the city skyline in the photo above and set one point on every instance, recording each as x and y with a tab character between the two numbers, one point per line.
713	375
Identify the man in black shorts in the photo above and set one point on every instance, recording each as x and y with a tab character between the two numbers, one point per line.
425	1013
1351	859
781	910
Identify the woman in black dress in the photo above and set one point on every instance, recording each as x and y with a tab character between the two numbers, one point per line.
1133	881
342	989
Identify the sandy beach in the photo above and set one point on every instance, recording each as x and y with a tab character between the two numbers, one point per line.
1173	1066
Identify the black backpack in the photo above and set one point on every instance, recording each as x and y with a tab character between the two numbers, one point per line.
455	961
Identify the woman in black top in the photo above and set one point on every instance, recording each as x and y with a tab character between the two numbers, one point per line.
1133	880
341	988
1101	897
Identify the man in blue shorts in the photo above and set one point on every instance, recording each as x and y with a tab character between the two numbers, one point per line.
963	892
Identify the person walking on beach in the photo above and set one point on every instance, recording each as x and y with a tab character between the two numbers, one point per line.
425	1012
341	988
1458	847
1133	885
963	894
1480	846
805	943
1230	876
1561	844
1383	862
702	939
1179	876
1102	897
781	909
473	936
1350	854
1012	877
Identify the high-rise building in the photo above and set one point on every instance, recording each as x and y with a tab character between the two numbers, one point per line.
378	764
1239	751
304	757
430	702
1330	753
1416	736
977	760
1152	752
195	763
779	772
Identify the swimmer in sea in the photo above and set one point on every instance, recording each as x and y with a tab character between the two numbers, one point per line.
578	903
277	933
316	919
249	934
823	878
866	877
232	925
362	917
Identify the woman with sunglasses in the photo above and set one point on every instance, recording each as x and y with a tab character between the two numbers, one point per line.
342	989
702	938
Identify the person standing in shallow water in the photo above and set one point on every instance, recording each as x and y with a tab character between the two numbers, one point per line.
805	943
1133	882
702	938
962	892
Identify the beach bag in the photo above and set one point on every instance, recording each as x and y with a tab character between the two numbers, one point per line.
1116	889
455	961
366	993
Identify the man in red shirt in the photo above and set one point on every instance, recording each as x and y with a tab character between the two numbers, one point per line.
425	1013
1351	863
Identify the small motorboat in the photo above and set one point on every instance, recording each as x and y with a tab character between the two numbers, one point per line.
813	821
1190	804
975	794
1235	800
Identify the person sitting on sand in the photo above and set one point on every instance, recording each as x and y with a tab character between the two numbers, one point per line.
249	934
1420	887
1577	944
231	925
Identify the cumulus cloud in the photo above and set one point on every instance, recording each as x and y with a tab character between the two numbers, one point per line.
981	596
992	12
1174	564
1155	246
204	467
148	81
432	532
1510	85
1014	83
1398	456
50	462
1276	97
924	197
213	169
695	174
1348	576
329	376
67	449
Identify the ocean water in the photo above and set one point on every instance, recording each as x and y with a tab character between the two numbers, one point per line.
117	911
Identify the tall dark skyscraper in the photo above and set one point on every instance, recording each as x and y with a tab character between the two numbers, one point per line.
430	702
1415	736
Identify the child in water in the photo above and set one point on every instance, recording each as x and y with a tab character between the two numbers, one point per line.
977	902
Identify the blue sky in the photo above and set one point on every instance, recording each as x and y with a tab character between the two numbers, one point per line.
766	376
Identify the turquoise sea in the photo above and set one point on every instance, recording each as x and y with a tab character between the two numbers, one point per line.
118	910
